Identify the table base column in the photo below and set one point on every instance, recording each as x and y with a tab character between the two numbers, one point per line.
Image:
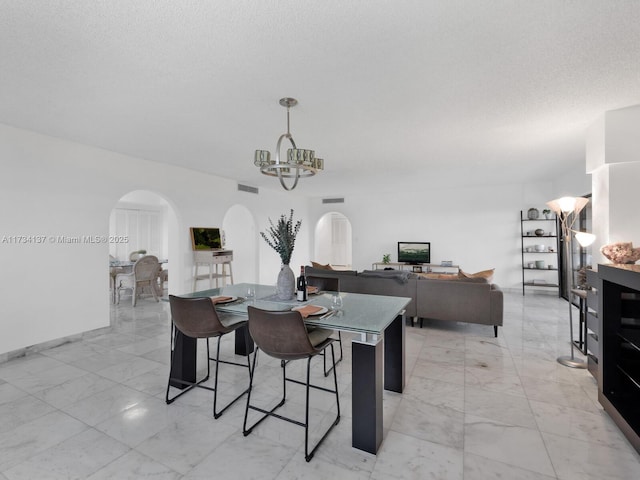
394	358
367	395
183	366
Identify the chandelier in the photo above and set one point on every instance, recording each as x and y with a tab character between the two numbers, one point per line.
299	162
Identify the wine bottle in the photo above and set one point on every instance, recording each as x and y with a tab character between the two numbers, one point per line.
302	286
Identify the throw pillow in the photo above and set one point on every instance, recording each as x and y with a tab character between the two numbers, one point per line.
437	276
321	267
486	274
474	280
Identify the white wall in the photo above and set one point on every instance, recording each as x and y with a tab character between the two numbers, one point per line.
613	159
50	188
477	228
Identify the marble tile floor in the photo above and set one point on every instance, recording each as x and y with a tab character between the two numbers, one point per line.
475	408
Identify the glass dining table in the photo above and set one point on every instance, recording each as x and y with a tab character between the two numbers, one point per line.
378	348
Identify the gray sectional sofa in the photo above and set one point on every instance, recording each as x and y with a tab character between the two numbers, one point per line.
471	300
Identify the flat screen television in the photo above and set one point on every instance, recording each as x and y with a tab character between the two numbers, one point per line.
414	253
205	238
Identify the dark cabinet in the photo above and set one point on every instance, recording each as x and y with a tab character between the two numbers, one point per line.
592	338
620	337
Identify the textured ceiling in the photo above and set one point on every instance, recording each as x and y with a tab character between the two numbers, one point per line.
392	93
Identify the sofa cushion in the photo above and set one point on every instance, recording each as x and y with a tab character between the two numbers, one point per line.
399	275
487	274
474	280
330	273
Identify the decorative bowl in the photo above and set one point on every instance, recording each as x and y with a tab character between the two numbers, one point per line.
621	252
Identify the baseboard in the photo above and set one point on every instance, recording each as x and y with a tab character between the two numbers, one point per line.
39	347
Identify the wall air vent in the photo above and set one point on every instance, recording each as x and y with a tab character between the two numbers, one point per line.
333	200
247	188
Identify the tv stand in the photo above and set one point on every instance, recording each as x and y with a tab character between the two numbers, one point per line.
425	267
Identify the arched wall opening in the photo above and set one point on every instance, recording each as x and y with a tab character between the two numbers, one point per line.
333	241
146	220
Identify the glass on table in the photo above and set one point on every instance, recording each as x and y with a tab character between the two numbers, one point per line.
336	302
251	294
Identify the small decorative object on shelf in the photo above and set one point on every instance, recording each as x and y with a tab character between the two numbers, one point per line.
282	238
386	258
539	232
621	252
547	213
533	213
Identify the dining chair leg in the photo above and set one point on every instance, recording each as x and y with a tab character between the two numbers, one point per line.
153	292
309	455
267	413
189	385
324	357
217	414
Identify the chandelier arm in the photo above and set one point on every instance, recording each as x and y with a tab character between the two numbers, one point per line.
284	185
278	162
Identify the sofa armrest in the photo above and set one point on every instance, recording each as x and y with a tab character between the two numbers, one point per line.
497	305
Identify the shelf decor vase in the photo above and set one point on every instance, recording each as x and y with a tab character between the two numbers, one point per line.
533	214
285	286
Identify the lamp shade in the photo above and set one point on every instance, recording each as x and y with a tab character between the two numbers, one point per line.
567	205
585	239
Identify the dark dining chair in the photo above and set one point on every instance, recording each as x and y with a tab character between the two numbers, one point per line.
329	285
197	318
282	335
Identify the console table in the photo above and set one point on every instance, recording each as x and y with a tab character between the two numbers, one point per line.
421	268
212	259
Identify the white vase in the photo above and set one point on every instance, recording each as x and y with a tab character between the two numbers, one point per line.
286	284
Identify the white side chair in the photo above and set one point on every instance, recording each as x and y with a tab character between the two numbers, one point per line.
145	274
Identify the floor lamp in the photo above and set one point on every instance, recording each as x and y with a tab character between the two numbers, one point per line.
567	210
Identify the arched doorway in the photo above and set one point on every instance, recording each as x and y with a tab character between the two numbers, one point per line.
145	220
240	236
333	241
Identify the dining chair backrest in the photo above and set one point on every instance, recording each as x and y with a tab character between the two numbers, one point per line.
282	335
196	317
136	255
146	268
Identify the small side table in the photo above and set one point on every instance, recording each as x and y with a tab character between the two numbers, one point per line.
581	342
